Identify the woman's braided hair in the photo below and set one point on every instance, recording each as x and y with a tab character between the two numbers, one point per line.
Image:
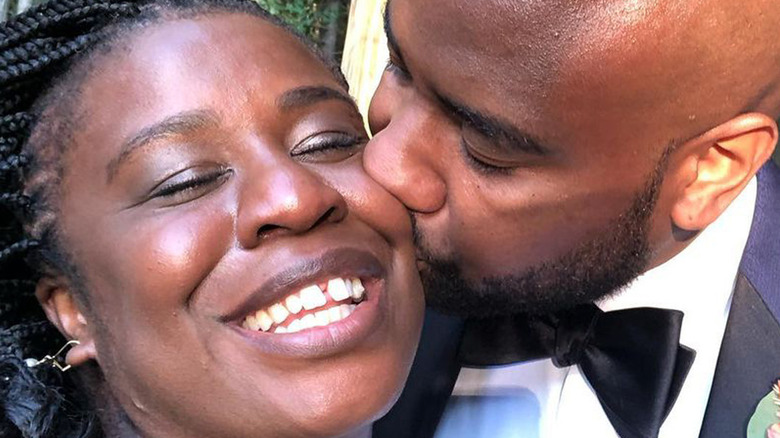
39	50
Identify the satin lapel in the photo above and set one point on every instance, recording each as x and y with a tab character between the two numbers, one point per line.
748	365
761	260
750	354
433	375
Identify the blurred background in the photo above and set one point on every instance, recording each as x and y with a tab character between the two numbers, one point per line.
324	21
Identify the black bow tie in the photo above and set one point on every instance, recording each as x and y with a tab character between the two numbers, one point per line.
632	358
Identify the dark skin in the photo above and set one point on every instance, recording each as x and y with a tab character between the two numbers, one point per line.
273	144
516	131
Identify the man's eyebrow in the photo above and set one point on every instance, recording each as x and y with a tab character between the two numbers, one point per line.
178	124
488	125
309	95
392	41
494	127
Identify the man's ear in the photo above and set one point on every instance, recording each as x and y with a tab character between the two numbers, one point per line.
722	163
61	307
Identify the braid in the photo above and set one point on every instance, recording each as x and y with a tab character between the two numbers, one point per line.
36	48
10	128
17	248
11	124
12	164
16	202
8	146
57	16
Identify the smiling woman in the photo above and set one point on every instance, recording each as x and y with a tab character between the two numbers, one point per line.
184	197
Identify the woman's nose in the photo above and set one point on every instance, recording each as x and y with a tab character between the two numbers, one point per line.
289	200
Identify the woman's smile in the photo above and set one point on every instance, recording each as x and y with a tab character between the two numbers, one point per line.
316	305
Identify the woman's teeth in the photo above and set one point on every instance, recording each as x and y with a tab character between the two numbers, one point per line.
313	306
318	319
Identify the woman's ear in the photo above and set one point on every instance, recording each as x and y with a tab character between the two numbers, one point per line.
724	161
61	307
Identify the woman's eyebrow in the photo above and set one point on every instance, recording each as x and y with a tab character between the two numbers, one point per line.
179	124
309	95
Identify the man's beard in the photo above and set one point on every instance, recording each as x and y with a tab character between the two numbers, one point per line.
592	271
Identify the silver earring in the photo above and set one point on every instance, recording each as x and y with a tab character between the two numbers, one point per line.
32	363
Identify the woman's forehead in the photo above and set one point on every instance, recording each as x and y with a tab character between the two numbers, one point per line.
210	49
231	64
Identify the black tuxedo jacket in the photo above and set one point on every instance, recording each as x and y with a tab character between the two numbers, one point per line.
748	365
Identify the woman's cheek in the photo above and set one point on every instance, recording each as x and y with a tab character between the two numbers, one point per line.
372	203
156	268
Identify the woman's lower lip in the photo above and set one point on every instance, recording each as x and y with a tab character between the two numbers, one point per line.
367	319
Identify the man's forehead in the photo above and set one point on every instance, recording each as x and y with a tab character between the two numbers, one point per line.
513	55
657	57
545	28
524	41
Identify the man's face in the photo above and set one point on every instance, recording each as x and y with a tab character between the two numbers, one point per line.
524	143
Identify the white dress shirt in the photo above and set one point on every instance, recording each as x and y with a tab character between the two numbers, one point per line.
537	400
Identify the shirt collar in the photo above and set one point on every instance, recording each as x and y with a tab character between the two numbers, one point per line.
700	279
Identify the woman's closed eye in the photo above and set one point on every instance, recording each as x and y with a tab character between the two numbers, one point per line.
328	147
189	184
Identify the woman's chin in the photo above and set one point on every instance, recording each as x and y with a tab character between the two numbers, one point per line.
346	417
329	396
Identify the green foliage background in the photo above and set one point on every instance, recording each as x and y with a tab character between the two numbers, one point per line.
309	17
323	21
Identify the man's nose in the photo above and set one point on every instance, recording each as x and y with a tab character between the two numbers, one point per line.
288	200
404	156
